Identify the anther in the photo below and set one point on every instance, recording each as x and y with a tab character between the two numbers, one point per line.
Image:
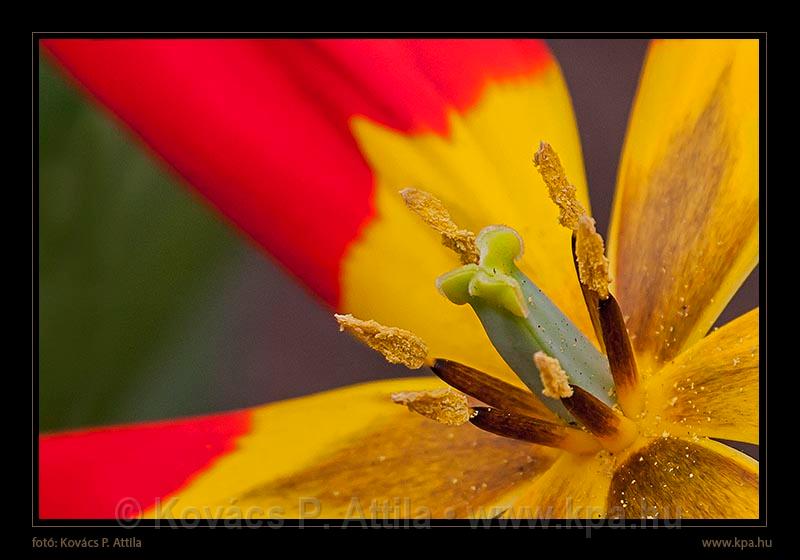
445	405
554	378
434	213
562	192
398	346
590	255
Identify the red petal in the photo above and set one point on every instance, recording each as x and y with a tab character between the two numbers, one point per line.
260	127
97	474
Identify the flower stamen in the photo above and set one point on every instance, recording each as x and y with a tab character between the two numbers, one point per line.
554	378
445	406
620	355
590	298
398	346
562	192
592	267
614	431
491	390
534	430
591	258
434	213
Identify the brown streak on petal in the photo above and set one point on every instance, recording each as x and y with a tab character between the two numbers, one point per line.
425	469
490	390
673	478
678	236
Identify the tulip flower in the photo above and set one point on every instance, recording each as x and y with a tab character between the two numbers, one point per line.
432	192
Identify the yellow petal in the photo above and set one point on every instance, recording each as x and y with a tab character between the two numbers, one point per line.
712	388
575	487
684	232
482	171
671	478
352	453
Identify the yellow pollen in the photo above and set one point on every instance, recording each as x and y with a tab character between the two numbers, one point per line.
398	346
562	192
554	379
590	253
434	213
446	405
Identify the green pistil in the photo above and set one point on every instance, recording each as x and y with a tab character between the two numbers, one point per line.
521	320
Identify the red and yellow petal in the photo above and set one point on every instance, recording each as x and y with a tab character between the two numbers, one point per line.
261	127
351	453
337	454
87	474
304	145
482	171
684	232
711	389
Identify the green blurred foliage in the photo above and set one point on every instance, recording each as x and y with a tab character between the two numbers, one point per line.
125	254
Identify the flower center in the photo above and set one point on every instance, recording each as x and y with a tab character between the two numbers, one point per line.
520	319
591	396
541	344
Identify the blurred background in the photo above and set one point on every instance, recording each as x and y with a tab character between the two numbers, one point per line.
150	307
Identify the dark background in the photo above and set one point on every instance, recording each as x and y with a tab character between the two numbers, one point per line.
151	308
